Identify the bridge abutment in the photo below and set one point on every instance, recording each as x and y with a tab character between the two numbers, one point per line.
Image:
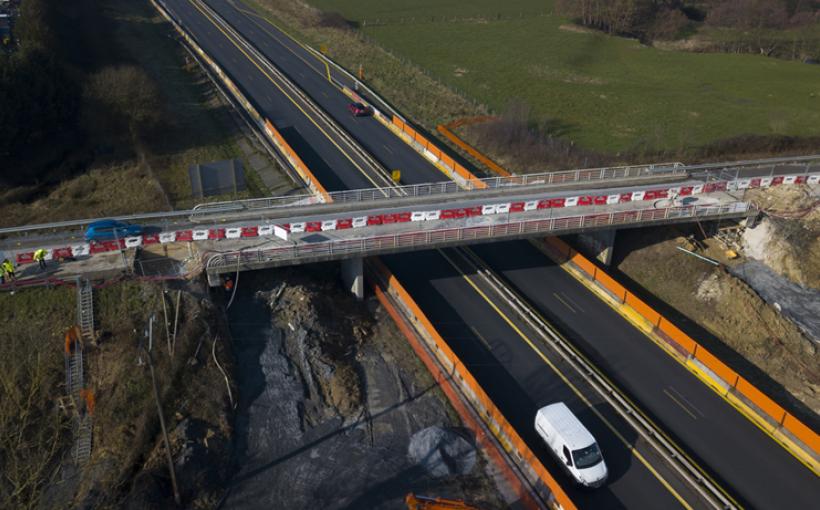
600	244
353	276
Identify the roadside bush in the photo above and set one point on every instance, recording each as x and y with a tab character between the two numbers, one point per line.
531	145
128	95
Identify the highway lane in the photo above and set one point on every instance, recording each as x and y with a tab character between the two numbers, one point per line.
633	482
580	291
762	474
304	69
317	147
494	346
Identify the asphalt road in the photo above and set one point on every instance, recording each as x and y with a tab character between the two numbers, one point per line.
758	472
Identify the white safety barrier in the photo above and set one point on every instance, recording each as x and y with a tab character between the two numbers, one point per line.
765	182
417	216
432	215
167	237
571	202
199	235
638	195
613	199
531	205
298	227
502	208
487	209
133	242
233	233
280	232
265	230
744	184
697	189
789	179
813	179
359	222
79	250
329	224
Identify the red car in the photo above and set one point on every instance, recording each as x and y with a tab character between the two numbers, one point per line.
359	109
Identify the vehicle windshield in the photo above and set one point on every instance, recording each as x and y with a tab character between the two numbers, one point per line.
587	457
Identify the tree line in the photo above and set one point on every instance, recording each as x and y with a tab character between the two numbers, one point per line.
38	99
670	19
68	94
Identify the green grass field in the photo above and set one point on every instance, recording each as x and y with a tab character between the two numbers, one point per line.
607	93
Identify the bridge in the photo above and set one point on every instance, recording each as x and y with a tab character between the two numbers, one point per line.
376	221
499	309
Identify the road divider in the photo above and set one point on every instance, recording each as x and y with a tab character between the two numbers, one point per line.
456	373
783	427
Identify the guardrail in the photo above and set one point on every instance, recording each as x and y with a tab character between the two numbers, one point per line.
425	239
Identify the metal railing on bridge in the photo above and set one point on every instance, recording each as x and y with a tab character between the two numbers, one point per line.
426	239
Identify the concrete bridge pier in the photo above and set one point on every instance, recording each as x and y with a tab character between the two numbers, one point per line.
600	244
353	276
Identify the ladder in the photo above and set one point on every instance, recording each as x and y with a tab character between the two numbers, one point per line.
85	308
81	450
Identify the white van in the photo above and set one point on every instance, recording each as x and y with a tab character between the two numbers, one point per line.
572	444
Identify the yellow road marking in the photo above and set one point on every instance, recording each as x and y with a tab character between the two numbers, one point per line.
270	78
637	320
280	29
680	404
569	384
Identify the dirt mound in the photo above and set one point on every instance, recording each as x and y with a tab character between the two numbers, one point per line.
322	337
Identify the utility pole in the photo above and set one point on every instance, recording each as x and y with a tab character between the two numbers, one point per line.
168	457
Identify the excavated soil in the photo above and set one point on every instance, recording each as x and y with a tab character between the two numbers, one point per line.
788	239
330	396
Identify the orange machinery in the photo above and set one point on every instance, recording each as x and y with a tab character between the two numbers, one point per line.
415	502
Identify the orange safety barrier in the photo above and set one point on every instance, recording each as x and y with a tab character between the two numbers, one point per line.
718	367
801	431
760	399
301	167
562	251
466	121
609	283
643	309
459	371
677	336
587	266
438	153
472	151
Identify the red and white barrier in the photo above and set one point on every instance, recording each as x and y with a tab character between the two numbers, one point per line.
133	242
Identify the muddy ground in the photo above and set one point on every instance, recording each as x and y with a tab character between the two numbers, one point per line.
330	396
725	313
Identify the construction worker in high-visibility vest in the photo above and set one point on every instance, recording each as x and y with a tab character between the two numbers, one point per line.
40	257
8	270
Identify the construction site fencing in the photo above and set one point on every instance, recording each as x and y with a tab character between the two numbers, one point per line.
727	380
225	262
